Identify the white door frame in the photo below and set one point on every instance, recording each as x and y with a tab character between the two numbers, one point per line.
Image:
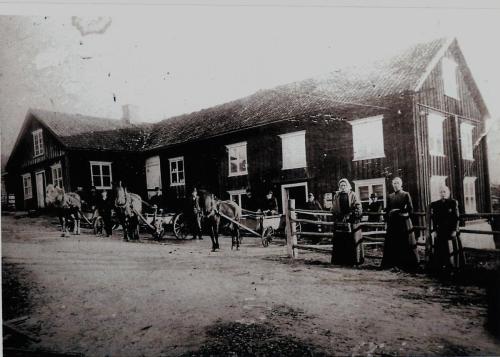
40	196
284	195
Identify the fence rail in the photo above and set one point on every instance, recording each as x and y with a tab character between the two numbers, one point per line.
370	237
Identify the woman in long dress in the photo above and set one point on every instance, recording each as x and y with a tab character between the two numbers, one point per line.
446	252
400	246
347	239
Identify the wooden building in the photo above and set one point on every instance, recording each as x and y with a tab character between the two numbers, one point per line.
418	115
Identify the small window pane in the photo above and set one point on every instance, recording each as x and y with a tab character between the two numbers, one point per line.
364	193
106	181
105	170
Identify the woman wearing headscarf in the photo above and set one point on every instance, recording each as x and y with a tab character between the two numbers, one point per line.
446	247
400	246
346	209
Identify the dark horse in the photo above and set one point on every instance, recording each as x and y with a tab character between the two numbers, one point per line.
211	214
68	205
128	207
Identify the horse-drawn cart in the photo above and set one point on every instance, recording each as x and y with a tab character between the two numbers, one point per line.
260	225
161	222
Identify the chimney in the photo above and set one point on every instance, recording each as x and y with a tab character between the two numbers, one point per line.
130	114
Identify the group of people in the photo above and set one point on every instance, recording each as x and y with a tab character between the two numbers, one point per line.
400	245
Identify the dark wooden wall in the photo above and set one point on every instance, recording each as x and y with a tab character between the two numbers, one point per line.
466	108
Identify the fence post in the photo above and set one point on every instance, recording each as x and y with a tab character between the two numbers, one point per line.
291	230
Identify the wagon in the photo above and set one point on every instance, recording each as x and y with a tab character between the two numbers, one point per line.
160	222
260	225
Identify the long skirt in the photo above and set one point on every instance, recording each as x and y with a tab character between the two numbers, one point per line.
446	250
400	246
347	245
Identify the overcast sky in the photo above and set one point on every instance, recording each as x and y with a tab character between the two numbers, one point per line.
169	60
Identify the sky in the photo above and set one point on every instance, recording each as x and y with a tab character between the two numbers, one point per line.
169	60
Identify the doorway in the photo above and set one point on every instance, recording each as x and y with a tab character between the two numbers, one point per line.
40	188
296	191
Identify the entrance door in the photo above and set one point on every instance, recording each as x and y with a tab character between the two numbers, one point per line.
296	191
153	174
40	188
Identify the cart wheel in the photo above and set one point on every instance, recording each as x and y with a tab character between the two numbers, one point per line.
267	237
181	228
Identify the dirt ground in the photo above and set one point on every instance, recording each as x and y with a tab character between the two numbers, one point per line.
105	297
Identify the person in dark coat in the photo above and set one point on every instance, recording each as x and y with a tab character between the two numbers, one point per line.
105	206
447	251
374	206
156	200
249	202
194	214
270	204
400	246
312	203
346	208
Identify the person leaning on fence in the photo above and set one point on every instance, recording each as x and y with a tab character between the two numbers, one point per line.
400	246
313	204
375	208
194	214
104	207
446	251
249	202
346	208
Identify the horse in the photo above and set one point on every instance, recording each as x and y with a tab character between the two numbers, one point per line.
68	205
128	207
211	215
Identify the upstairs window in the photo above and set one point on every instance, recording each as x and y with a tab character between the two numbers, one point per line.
177	177
466	139
293	146
100	173
435	134
237	157
37	143
368	138
27	190
470	194
57	179
449	70
436	183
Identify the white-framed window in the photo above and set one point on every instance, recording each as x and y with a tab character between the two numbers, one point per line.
153	174
436	183
37	142
100	173
364	188
57	178
293	146
237	158
466	139
449	70
235	195
368	138
435	133
470	194
177	176
27	188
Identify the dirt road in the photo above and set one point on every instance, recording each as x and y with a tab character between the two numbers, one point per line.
102	296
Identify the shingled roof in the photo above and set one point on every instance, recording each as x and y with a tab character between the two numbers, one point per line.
84	132
366	85
362	85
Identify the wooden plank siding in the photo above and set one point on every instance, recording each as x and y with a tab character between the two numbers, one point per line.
430	98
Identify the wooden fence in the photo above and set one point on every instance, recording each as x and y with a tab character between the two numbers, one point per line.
370	237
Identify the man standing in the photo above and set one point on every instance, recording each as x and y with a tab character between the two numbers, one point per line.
312	203
249	202
194	213
104	207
